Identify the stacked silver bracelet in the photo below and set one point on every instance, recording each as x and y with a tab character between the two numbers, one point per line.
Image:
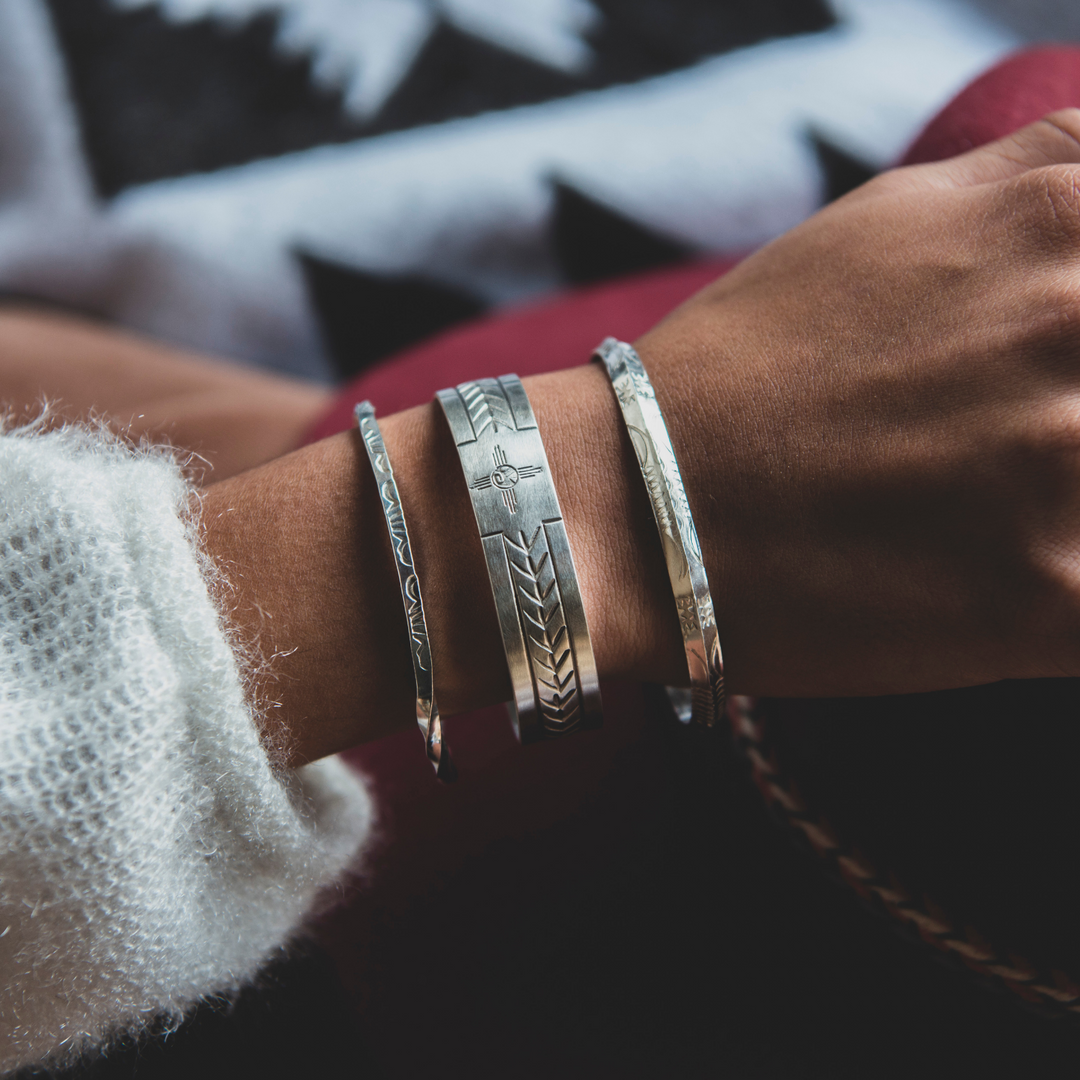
541	616
682	549
427	711
533	580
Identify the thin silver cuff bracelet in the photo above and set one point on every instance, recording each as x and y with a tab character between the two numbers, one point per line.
427	711
541	616
682	550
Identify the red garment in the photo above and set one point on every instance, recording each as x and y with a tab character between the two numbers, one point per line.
556	333
1016	92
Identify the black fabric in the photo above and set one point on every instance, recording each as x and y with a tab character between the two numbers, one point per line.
785	973
459	75
971	797
843	172
693	941
366	317
158	99
593	242
642	37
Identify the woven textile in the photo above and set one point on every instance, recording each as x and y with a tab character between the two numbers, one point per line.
149	854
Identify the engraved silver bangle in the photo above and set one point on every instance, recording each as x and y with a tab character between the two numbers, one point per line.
427	711
548	650
682	549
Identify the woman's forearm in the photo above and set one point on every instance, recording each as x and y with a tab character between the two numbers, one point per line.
233	417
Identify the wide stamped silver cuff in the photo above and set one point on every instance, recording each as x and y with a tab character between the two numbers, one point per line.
427	711
541	616
671	510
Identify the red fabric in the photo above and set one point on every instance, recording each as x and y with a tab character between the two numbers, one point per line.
1020	90
395	938
556	333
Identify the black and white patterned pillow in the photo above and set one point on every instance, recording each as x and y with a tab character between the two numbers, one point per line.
310	185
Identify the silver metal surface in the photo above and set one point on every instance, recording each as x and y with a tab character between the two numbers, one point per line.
682	549
556	690
427	711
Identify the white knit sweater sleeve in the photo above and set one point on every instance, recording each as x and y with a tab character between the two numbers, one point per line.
149	854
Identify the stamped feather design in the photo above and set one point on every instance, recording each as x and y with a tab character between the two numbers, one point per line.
541	608
487	406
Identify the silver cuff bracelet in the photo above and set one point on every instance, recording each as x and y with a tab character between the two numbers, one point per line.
427	711
556	690
682	549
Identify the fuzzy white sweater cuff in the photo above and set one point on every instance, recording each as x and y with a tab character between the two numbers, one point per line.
149	853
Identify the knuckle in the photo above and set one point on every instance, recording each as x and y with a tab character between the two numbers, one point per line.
1052	197
1066	122
1061	186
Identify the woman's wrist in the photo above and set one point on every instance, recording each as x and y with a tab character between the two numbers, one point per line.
311	593
304	545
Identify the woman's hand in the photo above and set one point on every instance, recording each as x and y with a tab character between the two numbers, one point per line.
878	417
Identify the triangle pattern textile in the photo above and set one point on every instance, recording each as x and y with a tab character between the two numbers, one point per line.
175	156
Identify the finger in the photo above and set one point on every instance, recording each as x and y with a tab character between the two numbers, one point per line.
1054	140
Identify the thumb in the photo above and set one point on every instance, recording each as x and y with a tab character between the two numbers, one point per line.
1054	140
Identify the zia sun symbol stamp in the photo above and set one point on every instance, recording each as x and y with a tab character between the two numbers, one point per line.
505	477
